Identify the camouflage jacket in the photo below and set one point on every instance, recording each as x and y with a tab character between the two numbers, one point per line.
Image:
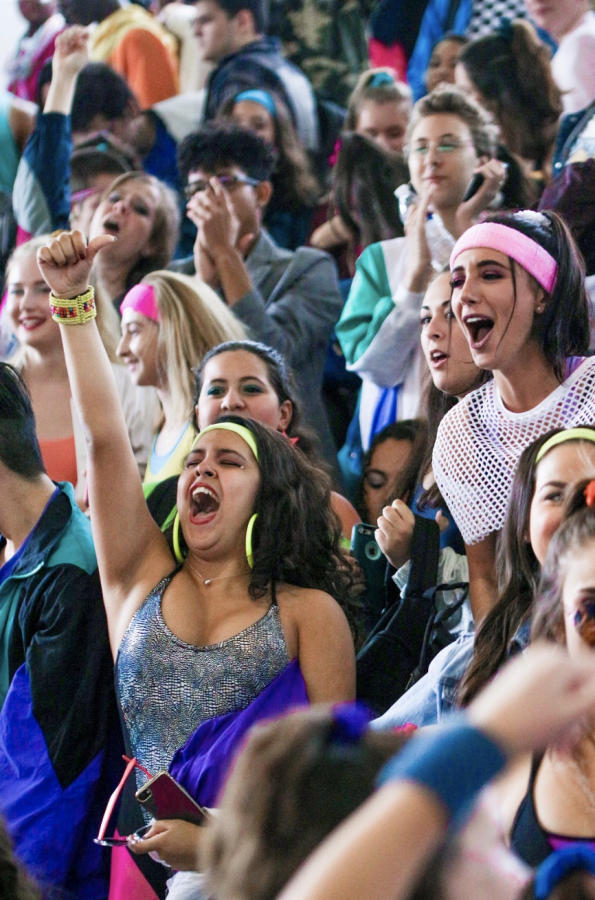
326	39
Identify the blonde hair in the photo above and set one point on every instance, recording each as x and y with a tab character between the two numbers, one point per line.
192	320
107	317
364	91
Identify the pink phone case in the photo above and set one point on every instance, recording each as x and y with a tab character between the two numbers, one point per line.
164	798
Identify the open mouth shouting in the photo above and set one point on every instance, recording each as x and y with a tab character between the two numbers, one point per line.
110	226
479	329
204	504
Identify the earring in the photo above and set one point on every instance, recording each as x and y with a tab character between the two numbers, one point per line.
176	540
249	531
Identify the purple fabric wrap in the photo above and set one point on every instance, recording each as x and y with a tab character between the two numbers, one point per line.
202	764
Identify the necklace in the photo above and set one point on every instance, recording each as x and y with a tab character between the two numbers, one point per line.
208	581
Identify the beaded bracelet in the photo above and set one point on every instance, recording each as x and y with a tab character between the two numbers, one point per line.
75	311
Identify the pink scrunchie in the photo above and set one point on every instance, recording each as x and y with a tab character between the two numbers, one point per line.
141	298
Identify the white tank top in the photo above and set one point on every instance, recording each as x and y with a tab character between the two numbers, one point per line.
479	443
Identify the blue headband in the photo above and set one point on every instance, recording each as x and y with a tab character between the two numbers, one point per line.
557	866
261	97
380	78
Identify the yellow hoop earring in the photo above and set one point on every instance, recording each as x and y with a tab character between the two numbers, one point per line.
176	540
249	531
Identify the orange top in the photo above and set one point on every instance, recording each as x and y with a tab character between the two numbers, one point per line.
144	61
59	459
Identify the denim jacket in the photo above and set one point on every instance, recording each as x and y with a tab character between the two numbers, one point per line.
434	695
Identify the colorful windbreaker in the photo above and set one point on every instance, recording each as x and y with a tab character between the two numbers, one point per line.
59	716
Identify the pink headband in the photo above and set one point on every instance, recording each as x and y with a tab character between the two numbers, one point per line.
141	298
524	250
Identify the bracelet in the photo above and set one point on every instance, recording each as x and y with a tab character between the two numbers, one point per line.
75	311
454	763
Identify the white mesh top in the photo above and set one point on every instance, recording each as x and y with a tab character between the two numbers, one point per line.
479	443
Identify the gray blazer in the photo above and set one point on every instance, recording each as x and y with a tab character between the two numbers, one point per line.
294	306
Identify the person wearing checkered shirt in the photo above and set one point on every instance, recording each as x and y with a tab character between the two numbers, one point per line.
472	18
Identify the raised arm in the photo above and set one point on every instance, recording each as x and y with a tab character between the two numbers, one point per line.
132	553
41	196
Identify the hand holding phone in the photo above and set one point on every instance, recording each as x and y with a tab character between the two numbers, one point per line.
164	798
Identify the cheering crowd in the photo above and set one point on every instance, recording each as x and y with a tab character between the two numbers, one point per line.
297	451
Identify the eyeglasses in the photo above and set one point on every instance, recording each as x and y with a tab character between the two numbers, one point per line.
443	147
228	181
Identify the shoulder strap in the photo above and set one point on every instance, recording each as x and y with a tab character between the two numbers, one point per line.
425	556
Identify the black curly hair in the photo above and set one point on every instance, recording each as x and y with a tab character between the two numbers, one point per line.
297	535
220	145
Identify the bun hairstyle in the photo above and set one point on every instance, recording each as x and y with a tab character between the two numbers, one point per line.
563	328
511	70
577	530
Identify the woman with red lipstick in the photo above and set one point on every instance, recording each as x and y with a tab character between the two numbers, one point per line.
40	357
519	294
254	604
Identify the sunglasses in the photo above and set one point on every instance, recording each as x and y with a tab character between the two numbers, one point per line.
118	840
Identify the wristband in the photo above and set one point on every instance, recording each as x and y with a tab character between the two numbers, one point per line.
454	762
76	310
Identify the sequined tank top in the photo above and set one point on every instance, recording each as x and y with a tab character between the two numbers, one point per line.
167	688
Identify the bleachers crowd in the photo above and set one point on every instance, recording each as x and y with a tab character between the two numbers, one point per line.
297	451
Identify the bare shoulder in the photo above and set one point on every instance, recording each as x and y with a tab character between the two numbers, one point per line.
306	601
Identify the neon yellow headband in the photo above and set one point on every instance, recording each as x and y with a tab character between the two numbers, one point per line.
572	434
243	432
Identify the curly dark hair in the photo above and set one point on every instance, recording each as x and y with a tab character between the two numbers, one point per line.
218	145
297	535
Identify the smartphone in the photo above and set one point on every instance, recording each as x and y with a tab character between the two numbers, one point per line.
164	798
474	185
407	196
372	562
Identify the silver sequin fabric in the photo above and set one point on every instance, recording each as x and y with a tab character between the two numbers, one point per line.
167	688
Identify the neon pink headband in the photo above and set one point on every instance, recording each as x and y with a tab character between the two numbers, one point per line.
141	298
524	250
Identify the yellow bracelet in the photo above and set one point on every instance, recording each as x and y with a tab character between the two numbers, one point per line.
75	311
